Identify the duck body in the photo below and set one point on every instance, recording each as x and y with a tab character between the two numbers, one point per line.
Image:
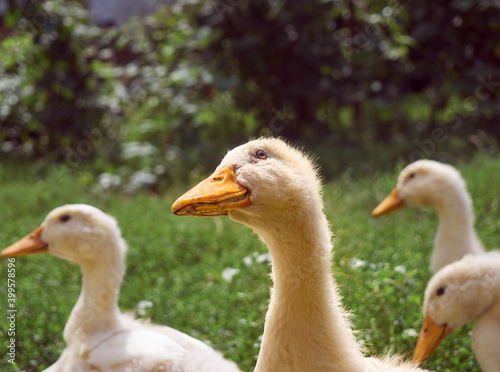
275	190
427	183
98	336
127	349
466	290
132	346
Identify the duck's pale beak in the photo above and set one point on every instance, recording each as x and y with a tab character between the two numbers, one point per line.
391	203
30	244
214	196
430	338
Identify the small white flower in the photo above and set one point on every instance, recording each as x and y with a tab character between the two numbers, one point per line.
247	261
161	70
258	342
120	91
356	262
133	149
410	333
228	273
172	153
7	146
131	70
180	74
4	111
141	178
106	53
387	11
400	269
142	306
374	18
265	257
106	180
159	169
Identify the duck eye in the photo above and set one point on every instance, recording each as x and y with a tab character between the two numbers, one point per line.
412	175
440	291
261	154
64	217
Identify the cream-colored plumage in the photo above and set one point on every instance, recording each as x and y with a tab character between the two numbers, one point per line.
98	337
306	327
466	290
427	183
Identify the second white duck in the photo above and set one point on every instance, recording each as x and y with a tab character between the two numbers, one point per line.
98	336
428	183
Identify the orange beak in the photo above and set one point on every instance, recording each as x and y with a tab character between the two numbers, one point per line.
214	196
430	338
391	203
30	244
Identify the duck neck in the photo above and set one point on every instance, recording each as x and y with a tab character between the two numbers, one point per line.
489	281
306	326
487	328
455	236
97	305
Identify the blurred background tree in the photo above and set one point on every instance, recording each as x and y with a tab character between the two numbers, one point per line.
160	98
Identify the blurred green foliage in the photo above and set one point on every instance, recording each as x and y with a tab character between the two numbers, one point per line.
363	84
49	96
353	75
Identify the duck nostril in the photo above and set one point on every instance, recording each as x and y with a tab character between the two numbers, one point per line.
218	178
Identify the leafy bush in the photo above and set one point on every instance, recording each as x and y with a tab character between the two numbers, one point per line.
161	99
364	77
49	93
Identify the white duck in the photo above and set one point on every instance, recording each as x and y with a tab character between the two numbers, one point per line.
97	335
427	183
276	191
459	293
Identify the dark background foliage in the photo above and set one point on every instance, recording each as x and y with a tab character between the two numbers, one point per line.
362	84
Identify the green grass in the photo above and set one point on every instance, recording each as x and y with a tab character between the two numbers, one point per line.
177	263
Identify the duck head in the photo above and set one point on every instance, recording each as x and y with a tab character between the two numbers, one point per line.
75	232
424	183
455	295
256	181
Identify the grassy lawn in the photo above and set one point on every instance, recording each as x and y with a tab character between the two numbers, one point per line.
177	264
